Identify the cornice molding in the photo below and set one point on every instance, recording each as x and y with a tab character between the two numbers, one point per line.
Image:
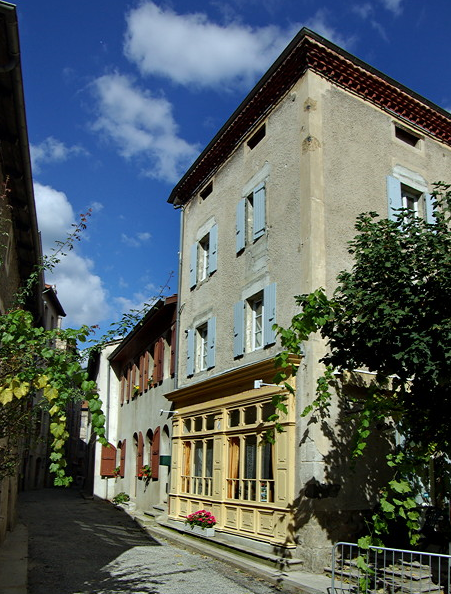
309	51
231	382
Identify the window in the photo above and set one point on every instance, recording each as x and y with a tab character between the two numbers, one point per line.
255	331
204	257
253	321
197	469
250	469
402	195
251	217
257	137
206	191
249	472
201	347
406	136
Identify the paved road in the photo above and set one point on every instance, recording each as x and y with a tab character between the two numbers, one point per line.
79	546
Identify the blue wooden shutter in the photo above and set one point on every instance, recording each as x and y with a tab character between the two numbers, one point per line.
269	314
394	196
190	353
193	266
213	250
238	329
211	342
259	224
240	225
429	208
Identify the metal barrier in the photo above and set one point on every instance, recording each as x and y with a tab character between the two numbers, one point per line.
380	570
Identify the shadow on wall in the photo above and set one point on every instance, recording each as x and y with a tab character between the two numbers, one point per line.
335	510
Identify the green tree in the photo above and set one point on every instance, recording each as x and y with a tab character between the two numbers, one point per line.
391	314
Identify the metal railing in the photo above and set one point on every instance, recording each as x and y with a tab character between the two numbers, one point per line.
380	570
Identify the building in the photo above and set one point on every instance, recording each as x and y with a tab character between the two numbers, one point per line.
267	210
20	247
133	377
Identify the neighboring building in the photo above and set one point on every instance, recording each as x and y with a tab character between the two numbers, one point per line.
133	377
20	247
267	211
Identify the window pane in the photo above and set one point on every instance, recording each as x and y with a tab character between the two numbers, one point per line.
234	417
209	458
267	467
198	458
250	469
267	410
210	422
250	415
198	424
187	426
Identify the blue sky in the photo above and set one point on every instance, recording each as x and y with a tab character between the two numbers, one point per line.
122	96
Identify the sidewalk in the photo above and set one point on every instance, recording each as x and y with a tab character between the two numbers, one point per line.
14	562
254	563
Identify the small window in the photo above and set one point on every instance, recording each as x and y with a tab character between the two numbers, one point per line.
234	417
206	191
187	426
412	201
202	347
210	422
203	263
255	322
198	424
268	409
250	415
257	137
406	136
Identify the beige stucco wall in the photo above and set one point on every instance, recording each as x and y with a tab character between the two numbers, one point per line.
324	159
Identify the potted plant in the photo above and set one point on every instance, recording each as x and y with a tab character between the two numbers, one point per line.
117	472
145	473
121	498
201	522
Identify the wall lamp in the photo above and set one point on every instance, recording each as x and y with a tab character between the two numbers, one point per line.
173	412
259	383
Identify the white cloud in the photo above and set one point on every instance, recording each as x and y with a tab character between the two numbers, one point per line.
52	150
393	6
136	240
80	291
142	126
191	50
363	10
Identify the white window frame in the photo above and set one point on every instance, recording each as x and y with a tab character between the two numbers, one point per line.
255	311
201	347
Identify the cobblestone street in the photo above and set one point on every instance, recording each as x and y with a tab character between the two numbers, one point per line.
79	546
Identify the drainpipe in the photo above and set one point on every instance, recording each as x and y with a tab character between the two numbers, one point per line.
179	305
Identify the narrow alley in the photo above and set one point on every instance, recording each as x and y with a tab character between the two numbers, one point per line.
80	546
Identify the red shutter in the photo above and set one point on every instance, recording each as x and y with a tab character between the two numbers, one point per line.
141	373
158	355
140	453
173	339
122	465
146	370
156	453
123	385
155	364
108	460
129	383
